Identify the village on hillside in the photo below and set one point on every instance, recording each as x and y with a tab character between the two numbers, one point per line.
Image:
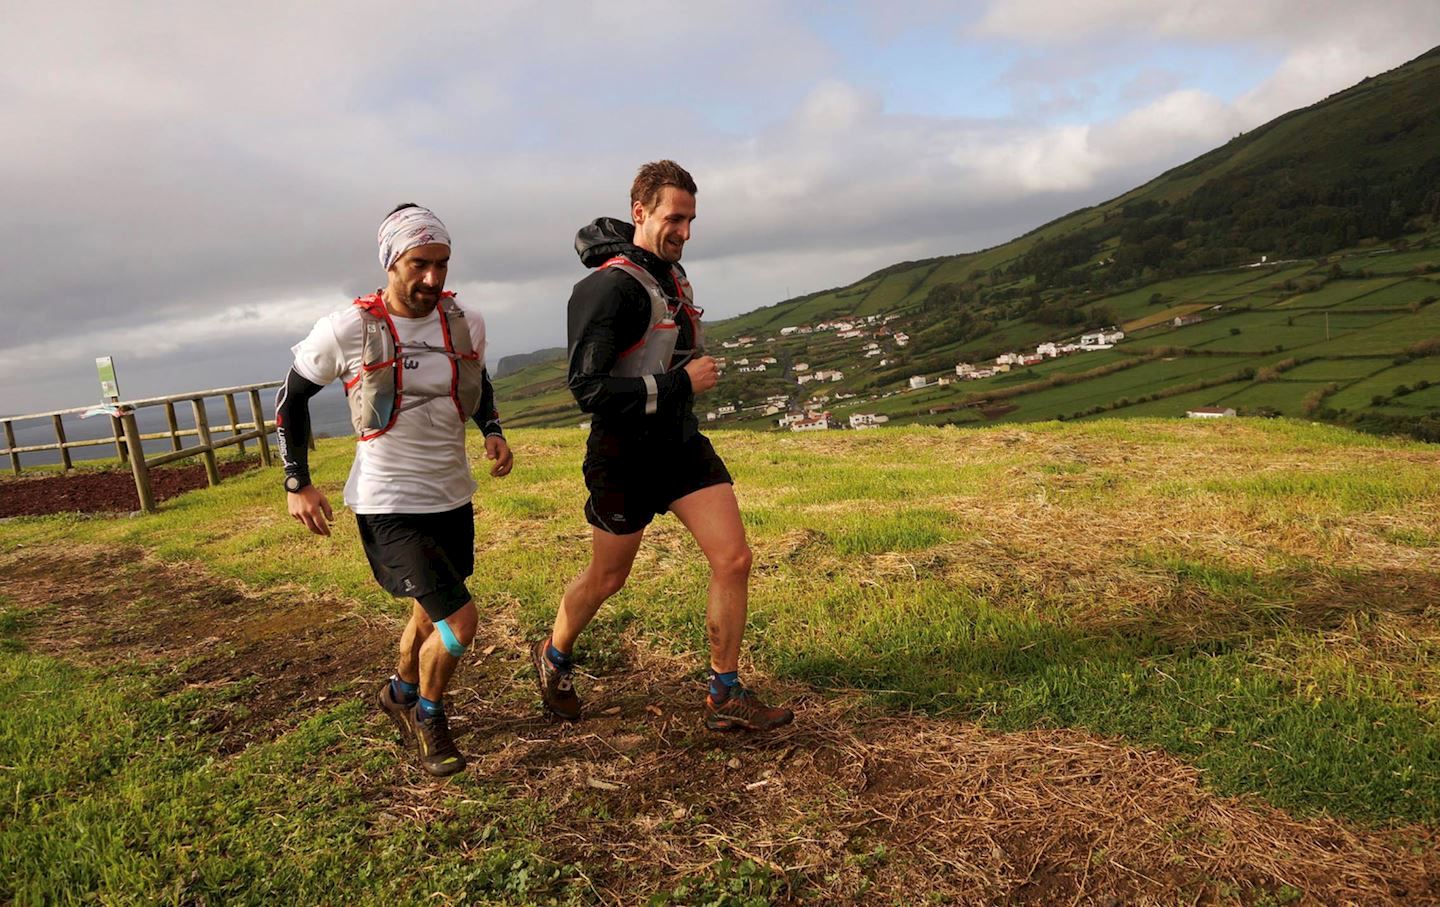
875	341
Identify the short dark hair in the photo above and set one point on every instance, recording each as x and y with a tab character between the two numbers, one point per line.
656	175
402	206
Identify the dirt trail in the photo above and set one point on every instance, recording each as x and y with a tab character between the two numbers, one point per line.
850	806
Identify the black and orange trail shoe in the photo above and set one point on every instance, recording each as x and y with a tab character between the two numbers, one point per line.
438	754
742	710
557	685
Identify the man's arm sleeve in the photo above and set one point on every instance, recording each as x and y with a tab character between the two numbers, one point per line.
292	424
486	416
595	312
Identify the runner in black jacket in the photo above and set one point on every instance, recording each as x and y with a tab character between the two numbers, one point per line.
636	363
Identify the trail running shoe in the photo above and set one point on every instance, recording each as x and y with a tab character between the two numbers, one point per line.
438	754
399	712
557	686
743	710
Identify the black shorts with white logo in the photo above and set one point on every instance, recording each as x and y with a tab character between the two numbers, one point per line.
424	556
629	487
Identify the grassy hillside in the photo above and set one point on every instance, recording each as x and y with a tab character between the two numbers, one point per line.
1314	237
1249	602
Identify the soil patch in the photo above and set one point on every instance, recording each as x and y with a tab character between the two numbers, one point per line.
845	806
104	491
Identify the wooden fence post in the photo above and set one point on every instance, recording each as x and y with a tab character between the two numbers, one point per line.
120	445
10	443
258	414
234	420
65	463
202	427
137	462
174	425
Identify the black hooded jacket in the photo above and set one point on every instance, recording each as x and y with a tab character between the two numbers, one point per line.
609	312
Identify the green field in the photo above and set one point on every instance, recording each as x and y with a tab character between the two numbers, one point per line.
1338	369
1241	597
1357	395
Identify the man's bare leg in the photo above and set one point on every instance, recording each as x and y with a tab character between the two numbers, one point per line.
436	664
416	632
611	557
713	517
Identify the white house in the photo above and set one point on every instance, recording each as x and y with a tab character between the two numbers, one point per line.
850	332
901	339
787	331
867	420
812	423
917	382
872	345
726	409
1047	349
802	379
1007	359
829	375
964	368
768	360
869	353
1101	340
1210	412
801	366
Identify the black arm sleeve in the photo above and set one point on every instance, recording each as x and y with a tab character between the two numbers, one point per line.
486	416
608	313
292	424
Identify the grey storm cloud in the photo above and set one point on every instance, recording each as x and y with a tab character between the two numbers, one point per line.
191	185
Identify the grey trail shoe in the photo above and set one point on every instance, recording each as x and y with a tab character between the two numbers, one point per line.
557	686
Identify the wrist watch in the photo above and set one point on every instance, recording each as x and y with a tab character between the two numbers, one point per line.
293	484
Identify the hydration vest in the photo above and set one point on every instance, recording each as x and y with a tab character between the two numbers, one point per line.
376	395
655	353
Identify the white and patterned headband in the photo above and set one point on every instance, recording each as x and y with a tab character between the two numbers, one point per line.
406	229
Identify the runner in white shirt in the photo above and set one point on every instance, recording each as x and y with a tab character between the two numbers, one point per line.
412	360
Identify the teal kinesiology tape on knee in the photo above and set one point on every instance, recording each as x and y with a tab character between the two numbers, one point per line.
447	636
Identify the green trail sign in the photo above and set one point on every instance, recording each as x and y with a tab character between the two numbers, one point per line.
109	386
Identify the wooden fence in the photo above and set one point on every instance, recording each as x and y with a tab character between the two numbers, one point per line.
128	439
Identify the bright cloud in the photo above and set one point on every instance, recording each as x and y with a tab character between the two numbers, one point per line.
192	185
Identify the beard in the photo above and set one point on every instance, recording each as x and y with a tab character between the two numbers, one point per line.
417	301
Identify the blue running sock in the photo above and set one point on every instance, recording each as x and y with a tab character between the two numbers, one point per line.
721	683
560	660
403	692
429	709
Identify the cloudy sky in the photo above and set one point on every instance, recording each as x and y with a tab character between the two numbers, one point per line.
191	185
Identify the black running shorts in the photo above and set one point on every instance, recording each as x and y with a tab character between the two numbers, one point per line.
628	490
424	556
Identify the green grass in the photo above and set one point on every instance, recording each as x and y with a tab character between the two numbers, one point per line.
1239	594
1357	396
116	797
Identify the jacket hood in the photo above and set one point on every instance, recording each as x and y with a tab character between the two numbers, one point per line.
603	239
